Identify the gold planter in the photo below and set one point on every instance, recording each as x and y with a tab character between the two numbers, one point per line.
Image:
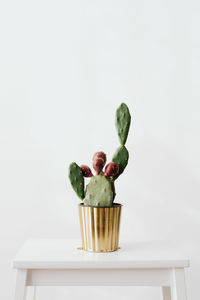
100	227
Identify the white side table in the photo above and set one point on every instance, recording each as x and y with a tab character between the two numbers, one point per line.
58	262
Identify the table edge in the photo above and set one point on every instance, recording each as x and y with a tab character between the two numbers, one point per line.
184	263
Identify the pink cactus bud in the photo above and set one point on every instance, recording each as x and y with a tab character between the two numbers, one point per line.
111	169
99	160
86	171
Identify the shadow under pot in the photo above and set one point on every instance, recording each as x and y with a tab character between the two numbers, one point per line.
100	227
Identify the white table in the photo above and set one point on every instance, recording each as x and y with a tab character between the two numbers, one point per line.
58	262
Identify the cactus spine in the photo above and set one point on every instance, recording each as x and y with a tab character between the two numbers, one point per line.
100	191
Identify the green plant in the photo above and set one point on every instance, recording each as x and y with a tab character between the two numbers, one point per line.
101	189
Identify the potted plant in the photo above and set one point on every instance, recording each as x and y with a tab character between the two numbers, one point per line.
99	215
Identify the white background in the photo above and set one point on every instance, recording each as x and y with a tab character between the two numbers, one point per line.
65	66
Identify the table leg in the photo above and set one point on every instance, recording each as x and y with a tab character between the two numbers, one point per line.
166	293
178	285
20	289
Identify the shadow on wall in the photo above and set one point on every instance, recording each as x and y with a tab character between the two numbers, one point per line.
162	200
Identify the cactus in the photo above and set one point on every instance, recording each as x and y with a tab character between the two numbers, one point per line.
121	158
77	180
99	192
122	122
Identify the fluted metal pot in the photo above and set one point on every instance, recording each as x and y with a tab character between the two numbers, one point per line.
100	227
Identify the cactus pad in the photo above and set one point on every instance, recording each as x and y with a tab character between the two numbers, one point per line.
77	179
99	192
122	122
121	158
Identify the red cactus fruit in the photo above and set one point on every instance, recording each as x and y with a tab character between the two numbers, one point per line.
99	160
86	171
101	155
111	169
98	165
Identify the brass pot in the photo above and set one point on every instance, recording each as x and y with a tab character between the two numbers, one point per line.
100	227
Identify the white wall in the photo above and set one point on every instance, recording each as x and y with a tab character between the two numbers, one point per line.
64	68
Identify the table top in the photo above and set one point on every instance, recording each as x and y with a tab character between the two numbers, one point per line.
64	253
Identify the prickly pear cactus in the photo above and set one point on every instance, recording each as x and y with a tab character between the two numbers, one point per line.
77	180
99	192
101	189
122	122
